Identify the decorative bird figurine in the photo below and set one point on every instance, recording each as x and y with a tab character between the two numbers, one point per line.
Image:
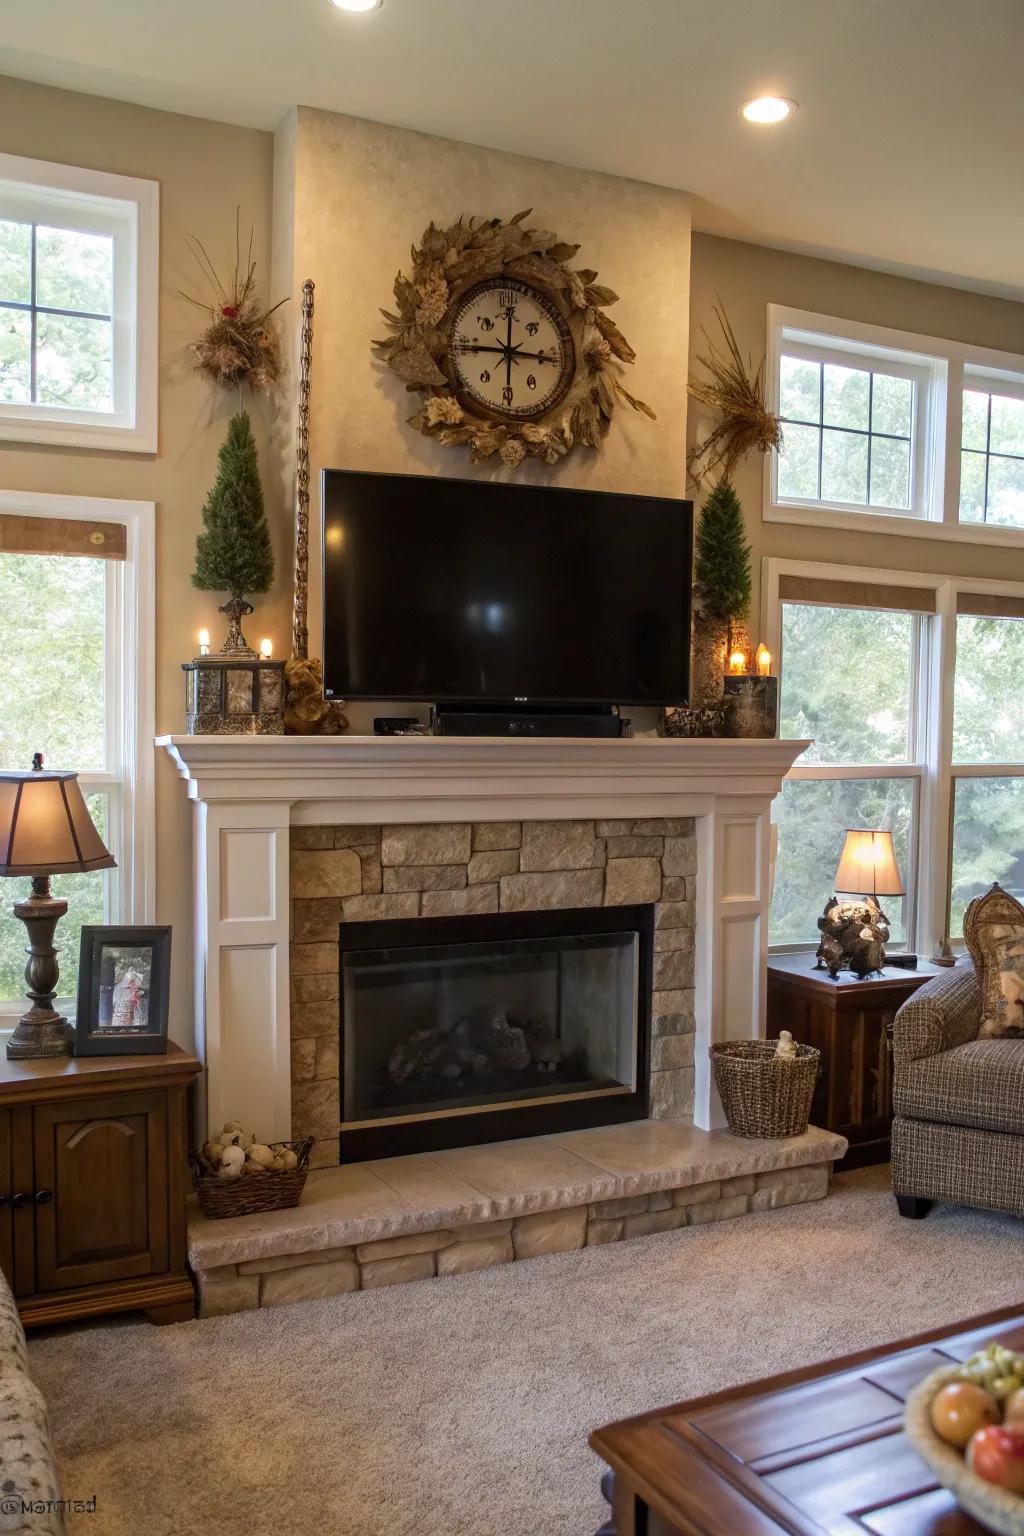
786	1048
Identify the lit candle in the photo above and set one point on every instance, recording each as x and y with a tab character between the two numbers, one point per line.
764	661
204	642
266	649
737	663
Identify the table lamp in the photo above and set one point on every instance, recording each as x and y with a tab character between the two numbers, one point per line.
45	829
854	931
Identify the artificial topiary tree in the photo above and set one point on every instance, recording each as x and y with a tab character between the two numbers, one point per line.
723	558
233	553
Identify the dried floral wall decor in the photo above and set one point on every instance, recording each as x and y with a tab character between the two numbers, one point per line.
735	391
238	345
510	347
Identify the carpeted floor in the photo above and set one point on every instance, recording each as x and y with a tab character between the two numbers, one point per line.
460	1407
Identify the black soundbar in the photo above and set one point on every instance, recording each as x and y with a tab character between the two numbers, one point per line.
523	720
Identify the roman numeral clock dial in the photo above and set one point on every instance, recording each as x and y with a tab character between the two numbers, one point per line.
511	349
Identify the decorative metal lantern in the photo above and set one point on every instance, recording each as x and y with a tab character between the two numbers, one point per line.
234	695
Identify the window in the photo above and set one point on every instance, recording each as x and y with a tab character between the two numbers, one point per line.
861	768
848	434
908	686
79	573
78	306
988	752
992	452
905	434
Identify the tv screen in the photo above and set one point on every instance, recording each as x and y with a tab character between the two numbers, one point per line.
454	590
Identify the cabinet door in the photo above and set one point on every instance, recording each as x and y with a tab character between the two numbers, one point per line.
101	1190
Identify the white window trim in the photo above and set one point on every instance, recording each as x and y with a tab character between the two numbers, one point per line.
948	361
130	655
125	201
931	850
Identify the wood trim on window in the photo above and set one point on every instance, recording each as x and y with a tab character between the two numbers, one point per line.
855	594
61	536
989	605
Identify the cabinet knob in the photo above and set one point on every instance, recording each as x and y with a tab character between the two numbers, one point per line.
43	1196
20	1199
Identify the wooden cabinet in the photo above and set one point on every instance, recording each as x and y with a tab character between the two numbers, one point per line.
93	1167
847	1020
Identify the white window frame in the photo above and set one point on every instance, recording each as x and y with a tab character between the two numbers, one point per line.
128	209
129	663
929	877
942	369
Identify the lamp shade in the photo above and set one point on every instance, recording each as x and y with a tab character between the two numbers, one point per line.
868	866
45	826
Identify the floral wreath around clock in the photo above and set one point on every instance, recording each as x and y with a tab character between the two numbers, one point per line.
510	347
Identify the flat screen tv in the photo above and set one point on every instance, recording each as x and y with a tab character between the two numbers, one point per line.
457	590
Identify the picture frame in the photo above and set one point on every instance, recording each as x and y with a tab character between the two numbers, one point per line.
123	991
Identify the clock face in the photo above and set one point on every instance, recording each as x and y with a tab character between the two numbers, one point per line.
511	349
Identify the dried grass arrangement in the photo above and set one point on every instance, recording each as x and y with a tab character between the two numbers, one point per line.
238	345
736	392
445	264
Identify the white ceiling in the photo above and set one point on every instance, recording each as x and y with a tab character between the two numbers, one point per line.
906	152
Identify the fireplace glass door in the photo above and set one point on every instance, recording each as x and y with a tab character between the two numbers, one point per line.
455	1026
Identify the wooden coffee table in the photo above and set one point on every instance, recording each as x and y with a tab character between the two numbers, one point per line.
803	1454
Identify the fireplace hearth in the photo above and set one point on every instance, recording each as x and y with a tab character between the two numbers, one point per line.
470	1029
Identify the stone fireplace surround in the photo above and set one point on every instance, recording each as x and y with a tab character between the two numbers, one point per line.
444	869
253	793
281	825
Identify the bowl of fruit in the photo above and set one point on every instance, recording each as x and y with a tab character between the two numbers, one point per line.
967	1422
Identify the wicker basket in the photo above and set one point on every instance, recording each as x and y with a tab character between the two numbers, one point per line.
761	1095
275	1190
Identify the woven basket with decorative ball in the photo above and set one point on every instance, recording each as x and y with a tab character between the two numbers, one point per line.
763	1094
276	1189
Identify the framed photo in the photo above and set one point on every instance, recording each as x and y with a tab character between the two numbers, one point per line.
123	991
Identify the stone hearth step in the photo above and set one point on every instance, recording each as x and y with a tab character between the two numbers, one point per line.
407	1218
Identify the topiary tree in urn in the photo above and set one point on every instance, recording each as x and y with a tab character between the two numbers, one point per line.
722	588
233	553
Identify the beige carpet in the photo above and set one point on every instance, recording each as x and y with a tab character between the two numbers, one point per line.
460	1407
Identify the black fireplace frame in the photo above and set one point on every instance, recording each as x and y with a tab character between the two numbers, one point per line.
388	1139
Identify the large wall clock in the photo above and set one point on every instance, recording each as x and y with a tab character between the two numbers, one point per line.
511	348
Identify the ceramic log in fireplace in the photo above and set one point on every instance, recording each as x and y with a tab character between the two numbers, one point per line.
460	1030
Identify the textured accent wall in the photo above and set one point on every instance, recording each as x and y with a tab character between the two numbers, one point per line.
359	874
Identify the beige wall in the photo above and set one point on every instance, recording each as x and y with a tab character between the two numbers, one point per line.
746	279
361	193
204	170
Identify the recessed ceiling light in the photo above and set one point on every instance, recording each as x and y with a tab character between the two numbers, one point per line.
767	109
358	5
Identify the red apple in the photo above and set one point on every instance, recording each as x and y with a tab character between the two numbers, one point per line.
996	1453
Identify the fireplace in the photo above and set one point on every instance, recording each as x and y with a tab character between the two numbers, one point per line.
470	1029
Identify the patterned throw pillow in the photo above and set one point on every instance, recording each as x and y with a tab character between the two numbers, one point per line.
994	933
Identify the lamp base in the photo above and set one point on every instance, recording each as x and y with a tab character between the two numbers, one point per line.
854	932
34	1039
42	1031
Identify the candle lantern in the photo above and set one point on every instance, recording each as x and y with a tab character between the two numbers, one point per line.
235	694
752	701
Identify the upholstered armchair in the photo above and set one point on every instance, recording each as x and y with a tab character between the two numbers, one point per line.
958	1131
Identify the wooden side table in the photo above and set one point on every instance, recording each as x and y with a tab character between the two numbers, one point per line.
93	1170
847	1020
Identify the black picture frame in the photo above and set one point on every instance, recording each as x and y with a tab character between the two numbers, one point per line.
123	991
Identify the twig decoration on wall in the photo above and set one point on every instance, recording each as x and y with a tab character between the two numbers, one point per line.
307	712
510	347
736	392
300	601
238	345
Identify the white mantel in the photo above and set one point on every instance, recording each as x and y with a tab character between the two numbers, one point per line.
249	790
